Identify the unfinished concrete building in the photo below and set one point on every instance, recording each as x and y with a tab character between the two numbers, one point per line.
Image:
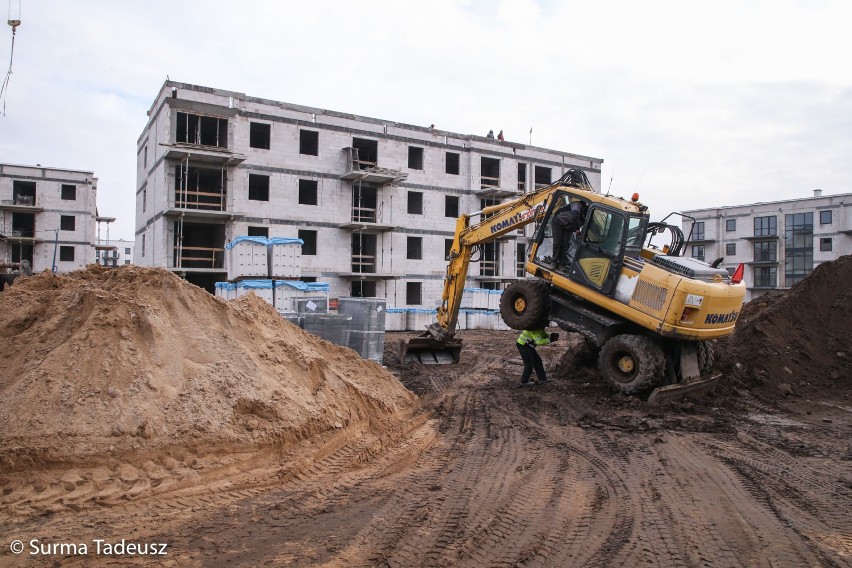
47	217
374	201
781	242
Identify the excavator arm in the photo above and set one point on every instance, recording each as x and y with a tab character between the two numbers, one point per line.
438	344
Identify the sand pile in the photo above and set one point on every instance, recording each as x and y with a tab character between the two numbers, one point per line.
135	358
797	342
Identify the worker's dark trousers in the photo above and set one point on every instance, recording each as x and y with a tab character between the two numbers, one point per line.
531	360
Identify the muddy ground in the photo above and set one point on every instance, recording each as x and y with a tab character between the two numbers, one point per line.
475	472
482	474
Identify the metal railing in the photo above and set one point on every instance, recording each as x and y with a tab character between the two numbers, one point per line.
364	263
199	257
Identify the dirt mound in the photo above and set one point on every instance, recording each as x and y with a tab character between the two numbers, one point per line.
797	342
135	358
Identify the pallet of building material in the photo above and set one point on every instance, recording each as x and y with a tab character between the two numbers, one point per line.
482	319
331	327
395	319
302	297
285	258
368	314
368	344
493	301
226	290
262	288
418	319
476	298
247	257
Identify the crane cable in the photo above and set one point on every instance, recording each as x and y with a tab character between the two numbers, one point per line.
4	89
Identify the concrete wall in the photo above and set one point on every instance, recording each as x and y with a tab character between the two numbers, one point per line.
49	207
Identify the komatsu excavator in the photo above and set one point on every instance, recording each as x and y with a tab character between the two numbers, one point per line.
649	312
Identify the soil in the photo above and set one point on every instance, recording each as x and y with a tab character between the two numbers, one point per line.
472	471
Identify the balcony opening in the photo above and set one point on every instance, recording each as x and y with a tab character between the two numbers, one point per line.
521	259
363	289
23	225
522	177
487	202
452	163
367	152
364	253
202	130
69	192
489	263
309	142
23	192
364	203
22	252
543	176
200	188
490	172
259	135
198	245
415	158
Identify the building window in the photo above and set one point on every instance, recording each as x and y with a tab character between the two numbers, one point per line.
259	135
69	192
126	250
145	157
66	253
144	198
522	177
143	246
258	232
414	248
258	187
413	293
698	252
202	130
415	158
448	246
825	244
67	222
451	206
825	217
543	176
23	192
489	172
310	238
730	225
798	246
363	289
452	163
765	226
415	203
731	249
765	252
308	191
698	231
126	262
309	142
765	277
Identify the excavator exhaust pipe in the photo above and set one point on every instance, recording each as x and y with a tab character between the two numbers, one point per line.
435	347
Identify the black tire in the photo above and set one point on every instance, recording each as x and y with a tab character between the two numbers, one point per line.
706	357
632	363
525	304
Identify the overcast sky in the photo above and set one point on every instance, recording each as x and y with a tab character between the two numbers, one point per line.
692	104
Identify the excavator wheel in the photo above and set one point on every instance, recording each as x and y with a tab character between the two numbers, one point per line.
706	357
525	304
631	363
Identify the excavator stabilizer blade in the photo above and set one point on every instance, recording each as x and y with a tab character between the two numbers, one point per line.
430	351
670	392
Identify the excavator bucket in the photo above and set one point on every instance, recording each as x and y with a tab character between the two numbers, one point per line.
430	351
678	390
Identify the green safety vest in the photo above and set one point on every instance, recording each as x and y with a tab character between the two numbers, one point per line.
538	337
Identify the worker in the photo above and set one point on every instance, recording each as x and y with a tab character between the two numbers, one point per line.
527	343
490	134
500	136
566	221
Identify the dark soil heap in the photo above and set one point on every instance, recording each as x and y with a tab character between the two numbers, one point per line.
797	342
136	358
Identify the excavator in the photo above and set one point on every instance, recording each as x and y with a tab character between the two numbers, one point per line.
648	313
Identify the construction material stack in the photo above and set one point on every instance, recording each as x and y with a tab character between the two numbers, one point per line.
367	334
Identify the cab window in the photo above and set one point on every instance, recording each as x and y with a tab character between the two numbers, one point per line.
635	234
605	230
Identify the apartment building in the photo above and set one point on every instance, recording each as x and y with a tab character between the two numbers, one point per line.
374	201
780	241
47	217
115	252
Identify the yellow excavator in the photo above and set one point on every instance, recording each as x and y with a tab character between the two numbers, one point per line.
648	312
